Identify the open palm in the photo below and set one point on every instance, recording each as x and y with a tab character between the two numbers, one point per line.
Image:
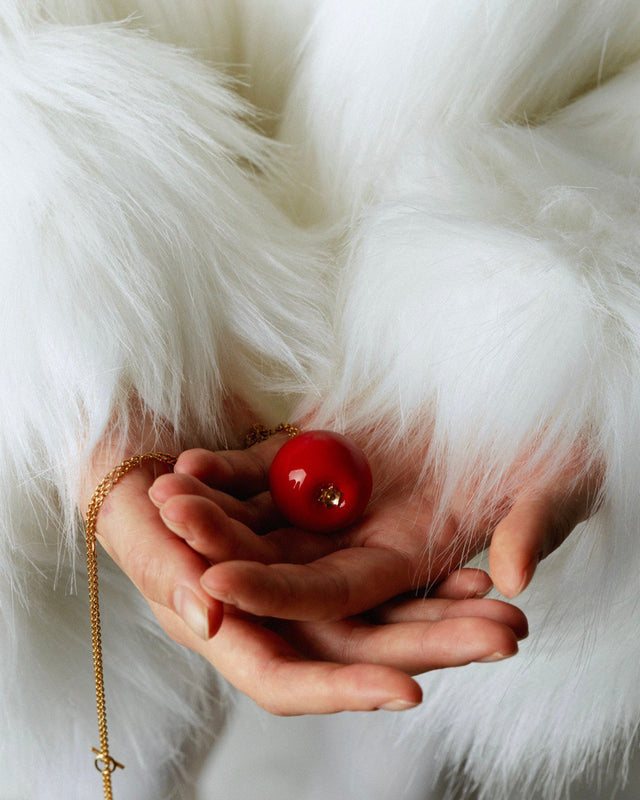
328	612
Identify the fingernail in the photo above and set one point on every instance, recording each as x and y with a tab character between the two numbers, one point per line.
494	657
155	495
526	577
529	572
168	513
210	587
193	612
525	580
397	705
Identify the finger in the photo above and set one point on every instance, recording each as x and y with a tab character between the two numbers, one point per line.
263	666
163	567
463	583
412	647
531	530
240	472
540	520
257	512
341	584
206	528
434	609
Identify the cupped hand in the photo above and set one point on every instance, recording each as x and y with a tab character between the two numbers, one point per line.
358	663
286	572
163	567
290	667
319	654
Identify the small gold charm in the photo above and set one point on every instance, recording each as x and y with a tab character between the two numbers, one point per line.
330	496
103	762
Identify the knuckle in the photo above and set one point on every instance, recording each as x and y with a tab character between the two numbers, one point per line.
259	466
348	648
287	594
338	591
267	695
142	569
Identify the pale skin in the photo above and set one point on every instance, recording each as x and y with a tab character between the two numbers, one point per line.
315	652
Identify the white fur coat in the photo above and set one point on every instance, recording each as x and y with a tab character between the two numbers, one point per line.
439	239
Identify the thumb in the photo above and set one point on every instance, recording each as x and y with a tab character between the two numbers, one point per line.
538	522
534	527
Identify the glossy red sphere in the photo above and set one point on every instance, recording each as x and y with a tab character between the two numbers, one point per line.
321	481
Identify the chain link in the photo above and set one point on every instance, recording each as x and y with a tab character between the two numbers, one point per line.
104	763
260	433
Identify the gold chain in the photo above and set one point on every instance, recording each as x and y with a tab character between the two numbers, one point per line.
104	763
260	433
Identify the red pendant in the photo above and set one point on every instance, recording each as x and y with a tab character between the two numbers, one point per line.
321	481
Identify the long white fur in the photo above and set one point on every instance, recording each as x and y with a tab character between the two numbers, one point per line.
488	307
256	43
480	159
371	73
130	204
